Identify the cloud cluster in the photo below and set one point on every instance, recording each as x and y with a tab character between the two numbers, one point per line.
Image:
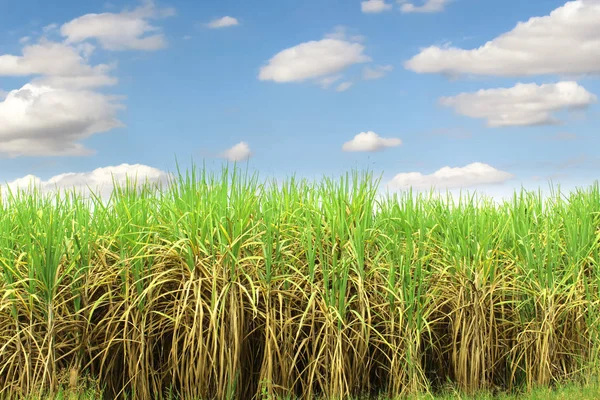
99	181
128	30
565	42
60	105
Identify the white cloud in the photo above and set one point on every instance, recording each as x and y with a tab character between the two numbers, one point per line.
342	87
77	81
128	30
313	60
239	152
223	22
56	60
567	42
374	6
521	105
376	72
45	121
100	180
25	39
370	141
50	115
3	94
429	6
447	177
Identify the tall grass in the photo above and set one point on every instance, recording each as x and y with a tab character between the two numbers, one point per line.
223	286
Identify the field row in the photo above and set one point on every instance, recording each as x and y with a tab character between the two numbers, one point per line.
221	286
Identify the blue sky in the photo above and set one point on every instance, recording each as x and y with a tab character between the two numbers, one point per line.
409	90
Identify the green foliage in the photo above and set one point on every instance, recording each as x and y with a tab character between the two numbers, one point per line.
220	286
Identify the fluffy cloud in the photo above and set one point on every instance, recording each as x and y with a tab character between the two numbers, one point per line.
565	42
128	30
42	120
429	6
56	60
223	22
239	152
376	72
370	141
342	87
100	180
374	6
447	177
312	60
50	115
77	81
58	108
521	105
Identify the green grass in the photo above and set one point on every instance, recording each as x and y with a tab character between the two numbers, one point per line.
563	393
590	391
223	286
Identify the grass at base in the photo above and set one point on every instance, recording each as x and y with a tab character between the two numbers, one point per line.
589	391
